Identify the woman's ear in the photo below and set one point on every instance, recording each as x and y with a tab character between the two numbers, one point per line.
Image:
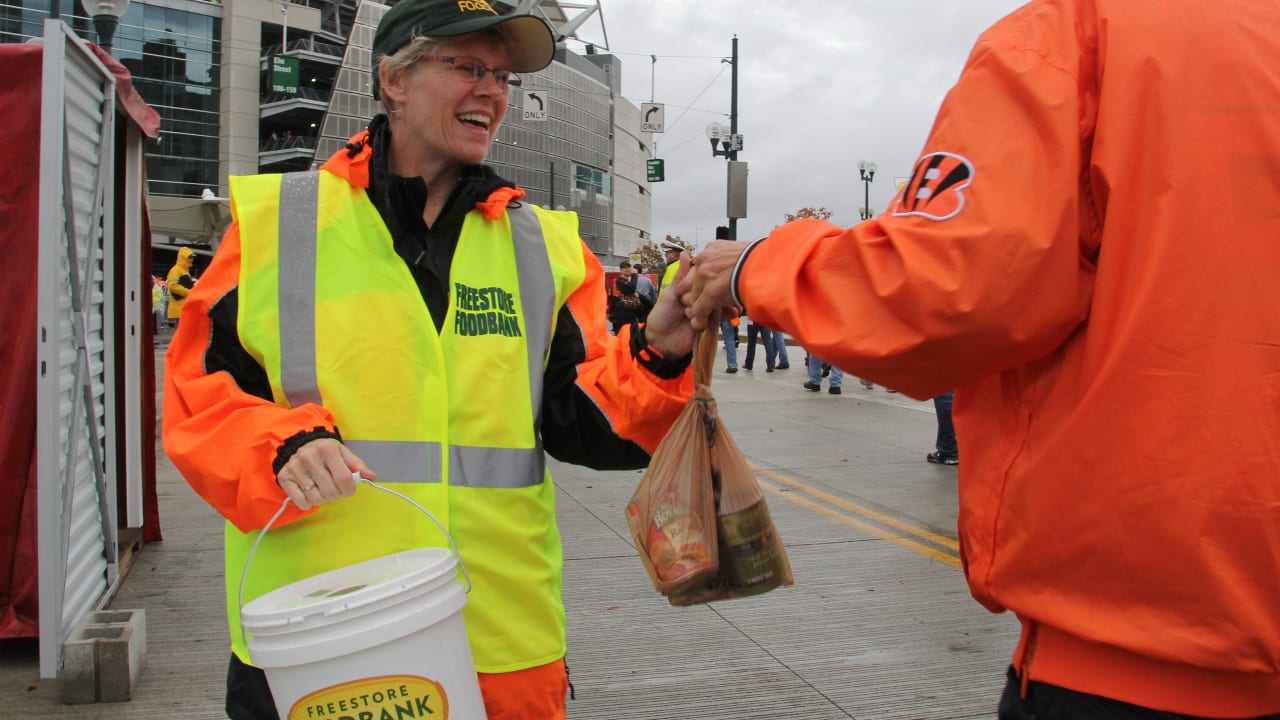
389	84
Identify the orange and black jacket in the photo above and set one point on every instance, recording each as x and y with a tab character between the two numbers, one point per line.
1087	252
607	401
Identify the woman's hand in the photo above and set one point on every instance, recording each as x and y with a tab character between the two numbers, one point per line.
667	329
320	472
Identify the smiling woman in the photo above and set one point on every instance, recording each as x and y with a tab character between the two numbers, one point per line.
443	120
405	294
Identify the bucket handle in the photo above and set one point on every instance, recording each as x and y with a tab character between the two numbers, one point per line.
359	479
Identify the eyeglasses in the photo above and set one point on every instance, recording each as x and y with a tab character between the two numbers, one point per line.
473	71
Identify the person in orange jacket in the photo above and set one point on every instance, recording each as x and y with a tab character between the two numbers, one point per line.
402	313
1086	251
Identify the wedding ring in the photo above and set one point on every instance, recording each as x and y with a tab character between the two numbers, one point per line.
310	487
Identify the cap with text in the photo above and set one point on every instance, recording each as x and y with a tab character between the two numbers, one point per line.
529	39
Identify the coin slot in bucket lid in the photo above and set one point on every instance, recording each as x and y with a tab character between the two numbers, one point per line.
350	591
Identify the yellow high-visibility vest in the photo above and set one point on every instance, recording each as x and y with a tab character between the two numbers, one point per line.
669	275
449	417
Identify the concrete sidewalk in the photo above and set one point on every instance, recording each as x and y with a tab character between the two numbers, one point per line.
879	624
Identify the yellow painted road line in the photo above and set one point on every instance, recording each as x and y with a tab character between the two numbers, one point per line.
948	555
923	534
868	528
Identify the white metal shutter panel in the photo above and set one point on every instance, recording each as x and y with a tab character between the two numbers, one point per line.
77	543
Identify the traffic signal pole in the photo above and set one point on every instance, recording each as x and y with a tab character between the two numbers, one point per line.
733	123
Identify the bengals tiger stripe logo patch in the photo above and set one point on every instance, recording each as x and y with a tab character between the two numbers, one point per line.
936	187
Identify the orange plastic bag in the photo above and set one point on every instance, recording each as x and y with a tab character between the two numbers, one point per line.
672	513
699	520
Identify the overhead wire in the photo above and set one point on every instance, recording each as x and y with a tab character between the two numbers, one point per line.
685	109
698	97
668	57
553	84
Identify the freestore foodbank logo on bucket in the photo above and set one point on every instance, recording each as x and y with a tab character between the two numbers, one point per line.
391	697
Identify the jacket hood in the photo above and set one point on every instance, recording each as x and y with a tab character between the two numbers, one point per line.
184	256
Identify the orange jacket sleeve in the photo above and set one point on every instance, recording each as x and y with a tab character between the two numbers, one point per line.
638	404
992	273
222	439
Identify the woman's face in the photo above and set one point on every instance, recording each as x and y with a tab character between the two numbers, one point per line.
446	116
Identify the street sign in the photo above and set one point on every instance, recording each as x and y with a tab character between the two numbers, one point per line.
651	117
535	106
655	172
736	207
284	74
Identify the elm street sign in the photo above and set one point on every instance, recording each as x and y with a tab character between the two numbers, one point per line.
655	172
284	74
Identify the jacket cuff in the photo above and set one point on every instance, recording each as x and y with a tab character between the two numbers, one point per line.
655	362
292	444
737	272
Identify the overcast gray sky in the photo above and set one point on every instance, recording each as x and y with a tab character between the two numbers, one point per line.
820	86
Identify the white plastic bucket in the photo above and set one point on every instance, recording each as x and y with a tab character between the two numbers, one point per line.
382	638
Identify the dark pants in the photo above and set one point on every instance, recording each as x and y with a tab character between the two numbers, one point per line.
946	441
766	336
1050	702
248	694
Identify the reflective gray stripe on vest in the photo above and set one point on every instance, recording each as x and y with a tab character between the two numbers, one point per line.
537	297
399	461
495	467
410	461
296	266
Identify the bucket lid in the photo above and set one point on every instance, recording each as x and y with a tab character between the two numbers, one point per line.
350	591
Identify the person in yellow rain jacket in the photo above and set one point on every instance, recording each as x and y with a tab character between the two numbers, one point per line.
404	314
1087	252
179	281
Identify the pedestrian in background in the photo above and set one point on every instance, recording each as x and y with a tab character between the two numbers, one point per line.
645	286
756	330
782	361
626	304
945	450
729	333
1099	291
671	251
179	282
489	351
834	375
157	304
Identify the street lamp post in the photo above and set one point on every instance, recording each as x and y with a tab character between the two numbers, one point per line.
106	16
866	171
728	137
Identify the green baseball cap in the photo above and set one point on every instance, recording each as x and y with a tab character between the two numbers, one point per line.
529	38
